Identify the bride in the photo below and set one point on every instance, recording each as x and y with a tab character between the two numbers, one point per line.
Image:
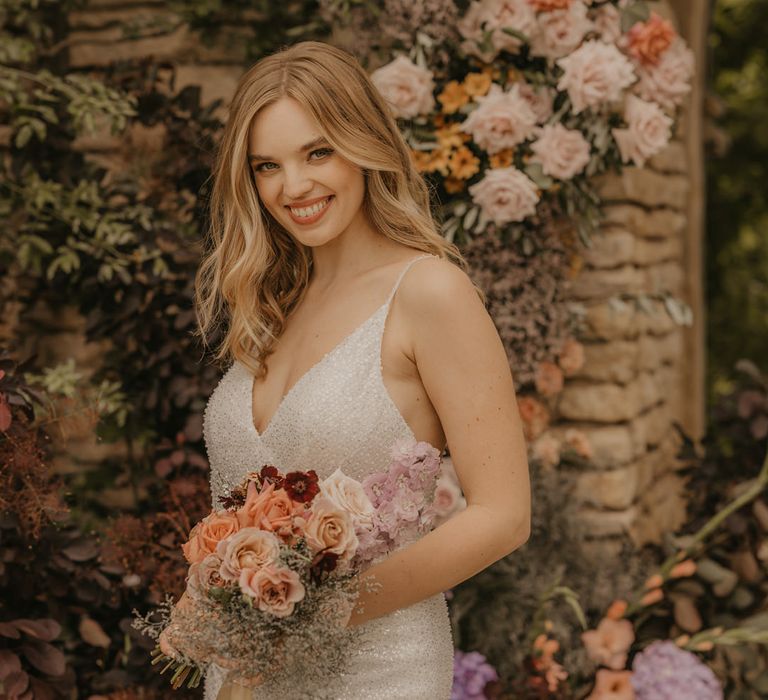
317	215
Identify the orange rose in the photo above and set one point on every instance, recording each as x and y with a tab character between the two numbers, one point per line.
271	510
204	537
648	40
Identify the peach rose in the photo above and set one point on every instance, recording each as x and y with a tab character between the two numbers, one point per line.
275	590
560	31
612	685
669	81
579	442
406	87
349	495
271	509
610	642
494	16
331	528
540	99
204	575
594	73
250	548
502	120
505	194
647	41
534	416
204	536
548	378
648	131
546	450
562	152
571	357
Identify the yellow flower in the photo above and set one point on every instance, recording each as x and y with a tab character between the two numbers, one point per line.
463	163
451	136
431	161
420	160
453	185
477	84
453	96
502	159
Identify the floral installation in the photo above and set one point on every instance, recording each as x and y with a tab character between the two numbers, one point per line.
471	675
269	570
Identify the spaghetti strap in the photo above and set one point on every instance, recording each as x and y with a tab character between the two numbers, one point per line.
402	274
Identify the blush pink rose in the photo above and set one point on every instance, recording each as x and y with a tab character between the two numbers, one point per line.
406	87
204	575
571	357
612	685
502	120
648	131
560	31
505	194
348	494
540	99
250	548
494	16
271	509
274	590
594	74
609	643
331	529
562	152
546	450
204	536
606	21
548	378
669	81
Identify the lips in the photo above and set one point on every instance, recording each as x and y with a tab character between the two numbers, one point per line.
309	211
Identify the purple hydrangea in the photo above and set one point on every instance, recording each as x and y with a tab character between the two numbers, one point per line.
471	673
664	671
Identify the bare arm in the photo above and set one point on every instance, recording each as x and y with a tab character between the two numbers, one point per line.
464	369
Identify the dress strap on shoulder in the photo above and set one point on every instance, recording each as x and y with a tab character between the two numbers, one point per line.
405	269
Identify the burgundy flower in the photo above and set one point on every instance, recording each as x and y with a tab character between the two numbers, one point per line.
322	563
270	475
301	486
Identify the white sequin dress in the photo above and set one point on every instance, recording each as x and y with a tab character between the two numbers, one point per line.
338	414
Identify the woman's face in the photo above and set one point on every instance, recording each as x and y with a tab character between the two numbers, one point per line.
309	189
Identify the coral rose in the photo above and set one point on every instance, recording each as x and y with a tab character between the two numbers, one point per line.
204	536
647	41
275	590
406	87
609	643
348	494
594	74
505	195
647	133
331	529
560	31
571	357
669	81
534	416
612	685
249	548
271	509
562	152
502	120
548	378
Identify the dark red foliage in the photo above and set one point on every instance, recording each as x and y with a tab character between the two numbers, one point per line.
302	486
270	475
322	563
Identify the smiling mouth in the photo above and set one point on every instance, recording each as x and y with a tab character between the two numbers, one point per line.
311	211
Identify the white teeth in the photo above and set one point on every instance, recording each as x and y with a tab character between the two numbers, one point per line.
305	212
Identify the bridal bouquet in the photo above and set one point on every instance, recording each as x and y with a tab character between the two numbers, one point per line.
273	575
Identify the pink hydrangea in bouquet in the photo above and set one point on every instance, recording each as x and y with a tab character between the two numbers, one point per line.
273	575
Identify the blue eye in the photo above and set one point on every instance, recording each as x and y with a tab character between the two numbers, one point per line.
262	166
323	151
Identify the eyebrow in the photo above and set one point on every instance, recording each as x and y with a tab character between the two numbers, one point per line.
306	147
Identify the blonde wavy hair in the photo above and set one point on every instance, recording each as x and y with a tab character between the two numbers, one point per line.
253	272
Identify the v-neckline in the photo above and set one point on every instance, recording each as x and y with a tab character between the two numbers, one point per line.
302	378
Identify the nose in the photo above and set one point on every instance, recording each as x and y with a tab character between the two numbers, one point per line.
296	183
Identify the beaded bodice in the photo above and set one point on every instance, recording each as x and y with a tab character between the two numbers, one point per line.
338	414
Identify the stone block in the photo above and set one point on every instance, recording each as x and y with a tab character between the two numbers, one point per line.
114	14
663	277
602	403
606	523
614	361
655	350
216	82
645	187
661	508
672	159
601	283
614	489
649	251
653	223
612	445
610	321
102	47
602	550
610	248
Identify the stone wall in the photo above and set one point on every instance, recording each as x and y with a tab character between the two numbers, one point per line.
643	370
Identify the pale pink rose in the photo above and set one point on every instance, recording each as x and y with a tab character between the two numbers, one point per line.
609	643
669	81
271	509
534	416
560	31
594	74
348	494
648	131
250	548
204	575
546	450
204	536
502	120
606	21
540	99
331	529
447	497
494	16
579	442
406	87
275	590
548	378
562	152
612	685
505	194
571	357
